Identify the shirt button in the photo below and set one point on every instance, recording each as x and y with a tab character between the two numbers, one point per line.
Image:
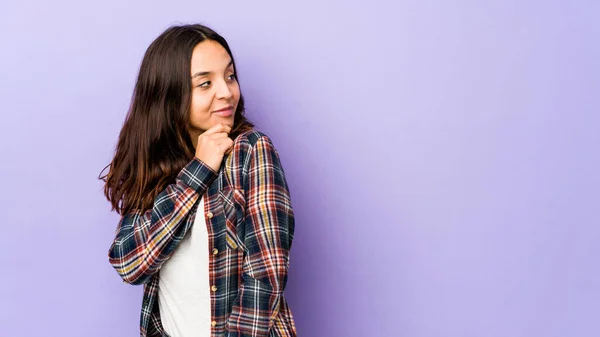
213	323
213	288
215	251
209	215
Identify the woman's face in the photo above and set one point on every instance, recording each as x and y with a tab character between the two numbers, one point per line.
215	90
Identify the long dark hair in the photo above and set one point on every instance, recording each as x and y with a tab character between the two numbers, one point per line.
154	143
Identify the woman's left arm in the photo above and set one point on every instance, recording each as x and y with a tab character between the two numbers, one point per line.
268	239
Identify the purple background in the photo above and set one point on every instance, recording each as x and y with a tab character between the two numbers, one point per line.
442	157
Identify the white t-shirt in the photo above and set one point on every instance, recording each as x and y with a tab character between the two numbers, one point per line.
184	290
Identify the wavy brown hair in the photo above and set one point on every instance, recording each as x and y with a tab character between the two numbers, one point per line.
154	143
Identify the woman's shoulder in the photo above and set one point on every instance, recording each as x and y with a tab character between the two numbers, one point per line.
250	141
249	138
237	162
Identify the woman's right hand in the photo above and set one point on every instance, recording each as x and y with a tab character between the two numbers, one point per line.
213	144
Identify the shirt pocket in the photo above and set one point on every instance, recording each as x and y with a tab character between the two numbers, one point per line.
234	205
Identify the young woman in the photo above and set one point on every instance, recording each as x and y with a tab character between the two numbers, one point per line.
207	222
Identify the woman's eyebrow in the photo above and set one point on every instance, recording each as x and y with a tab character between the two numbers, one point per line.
204	73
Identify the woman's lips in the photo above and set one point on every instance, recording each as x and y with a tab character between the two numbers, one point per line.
224	112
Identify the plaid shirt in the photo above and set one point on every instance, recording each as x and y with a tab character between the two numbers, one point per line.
250	225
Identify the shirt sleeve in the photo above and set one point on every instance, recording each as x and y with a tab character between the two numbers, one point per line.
144	241
269	233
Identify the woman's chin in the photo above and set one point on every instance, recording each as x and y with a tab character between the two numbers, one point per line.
224	120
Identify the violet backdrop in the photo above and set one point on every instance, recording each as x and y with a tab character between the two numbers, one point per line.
442	158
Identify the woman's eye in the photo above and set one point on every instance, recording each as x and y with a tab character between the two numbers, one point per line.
232	77
204	84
